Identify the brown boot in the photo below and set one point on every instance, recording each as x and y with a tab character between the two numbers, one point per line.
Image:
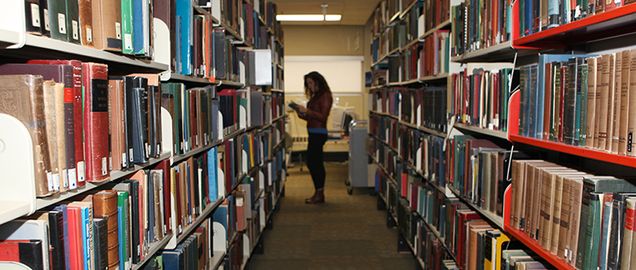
319	197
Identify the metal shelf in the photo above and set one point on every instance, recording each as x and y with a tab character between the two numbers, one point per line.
154	248
484	131
496	53
89	186
48	48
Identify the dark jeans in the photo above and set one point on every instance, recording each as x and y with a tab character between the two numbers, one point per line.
315	159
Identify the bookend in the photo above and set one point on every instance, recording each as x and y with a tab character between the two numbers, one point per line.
17	196
166	133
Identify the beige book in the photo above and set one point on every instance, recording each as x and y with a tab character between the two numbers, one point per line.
48	88
61	138
624	103
572	244
602	108
591	102
631	121
616	100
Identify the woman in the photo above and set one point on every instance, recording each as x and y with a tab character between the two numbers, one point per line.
319	94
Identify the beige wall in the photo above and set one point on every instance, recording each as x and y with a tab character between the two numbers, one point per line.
324	40
330	40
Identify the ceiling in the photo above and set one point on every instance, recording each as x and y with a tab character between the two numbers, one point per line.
354	12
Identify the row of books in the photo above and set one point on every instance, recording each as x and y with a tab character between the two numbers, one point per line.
116	25
585	100
477	172
538	15
195	252
70	114
581	218
408	104
444	232
117	227
112	228
479	24
480	95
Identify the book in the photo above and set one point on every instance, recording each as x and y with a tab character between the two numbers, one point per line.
27	90
107	25
95	78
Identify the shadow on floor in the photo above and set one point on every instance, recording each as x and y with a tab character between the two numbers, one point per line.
347	232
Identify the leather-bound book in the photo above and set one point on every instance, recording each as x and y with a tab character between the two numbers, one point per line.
105	207
96	121
50	116
60	74
78	120
23	99
72	21
107	25
86	22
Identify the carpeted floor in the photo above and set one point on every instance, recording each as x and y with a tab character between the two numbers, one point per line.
347	232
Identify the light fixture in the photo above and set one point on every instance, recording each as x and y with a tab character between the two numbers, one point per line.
308	17
324	17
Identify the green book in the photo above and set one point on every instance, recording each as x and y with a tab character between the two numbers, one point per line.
123	224
590	221
57	19
171	101
127	26
72	21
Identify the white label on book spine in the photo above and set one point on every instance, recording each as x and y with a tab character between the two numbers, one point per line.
65	178
130	154
75	29
49	180
110	163
123	160
89	34
128	41
72	178
81	171
147	148
56	181
35	15
47	25
61	23
104	166
118	30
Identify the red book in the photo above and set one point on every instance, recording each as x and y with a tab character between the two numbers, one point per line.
165	167
76	256
96	152
27	252
464	217
78	119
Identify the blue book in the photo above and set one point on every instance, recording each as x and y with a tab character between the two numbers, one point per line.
138	27
86	235
221	215
122	224
184	14
173	259
62	208
605	235
212	175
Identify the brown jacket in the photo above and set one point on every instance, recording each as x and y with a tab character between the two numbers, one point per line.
318	109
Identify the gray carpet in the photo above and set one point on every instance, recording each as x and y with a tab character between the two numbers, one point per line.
347	232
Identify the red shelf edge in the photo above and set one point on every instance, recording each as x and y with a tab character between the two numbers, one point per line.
594	154
605	16
534	246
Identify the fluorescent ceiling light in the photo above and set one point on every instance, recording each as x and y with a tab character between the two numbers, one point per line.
308	17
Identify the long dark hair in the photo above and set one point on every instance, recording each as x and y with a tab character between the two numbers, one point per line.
320	82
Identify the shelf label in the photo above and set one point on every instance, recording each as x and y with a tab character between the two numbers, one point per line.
61	23
35	15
